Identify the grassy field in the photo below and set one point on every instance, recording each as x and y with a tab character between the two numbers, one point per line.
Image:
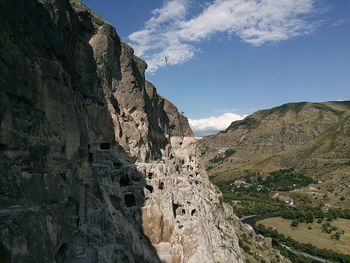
313	236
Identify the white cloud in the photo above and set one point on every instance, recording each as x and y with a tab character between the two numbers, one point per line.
339	22
211	125
169	32
157	40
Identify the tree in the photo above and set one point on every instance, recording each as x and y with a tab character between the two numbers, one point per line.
336	235
309	217
294	223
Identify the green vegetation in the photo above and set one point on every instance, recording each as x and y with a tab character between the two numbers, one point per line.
333	235
244	243
255	198
307	248
272	139
281	180
229	152
250	200
286	180
306	136
253	195
308	214
220	158
294	223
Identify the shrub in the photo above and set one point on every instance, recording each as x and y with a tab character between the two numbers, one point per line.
294	223
229	152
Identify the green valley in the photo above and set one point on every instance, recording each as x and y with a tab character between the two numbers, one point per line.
289	166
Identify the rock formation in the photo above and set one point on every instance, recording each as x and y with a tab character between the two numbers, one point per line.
95	165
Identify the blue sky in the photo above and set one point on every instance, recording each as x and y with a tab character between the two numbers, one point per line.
229	58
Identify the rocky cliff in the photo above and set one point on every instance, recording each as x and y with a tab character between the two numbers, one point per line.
95	165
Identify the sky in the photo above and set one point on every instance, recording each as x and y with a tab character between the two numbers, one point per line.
220	60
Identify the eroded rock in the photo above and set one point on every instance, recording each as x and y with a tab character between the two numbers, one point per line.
95	165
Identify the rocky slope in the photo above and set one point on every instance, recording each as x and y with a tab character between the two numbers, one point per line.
310	137
95	165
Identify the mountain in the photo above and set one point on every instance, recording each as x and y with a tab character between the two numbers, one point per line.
313	138
95	165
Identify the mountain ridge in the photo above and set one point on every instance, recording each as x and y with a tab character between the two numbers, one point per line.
310	137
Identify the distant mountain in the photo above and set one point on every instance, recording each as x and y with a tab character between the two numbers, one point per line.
310	137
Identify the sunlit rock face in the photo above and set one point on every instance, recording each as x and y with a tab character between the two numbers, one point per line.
95	165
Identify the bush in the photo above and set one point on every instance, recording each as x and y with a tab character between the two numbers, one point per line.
220	158
245	247
336	235
217	159
294	223
229	152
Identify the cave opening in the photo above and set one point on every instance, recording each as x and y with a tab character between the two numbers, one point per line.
129	200
62	253
178	210
3	147
117	165
175	207
149	188
5	254
124	180
105	146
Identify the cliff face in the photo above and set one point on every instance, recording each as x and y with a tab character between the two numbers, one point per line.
95	165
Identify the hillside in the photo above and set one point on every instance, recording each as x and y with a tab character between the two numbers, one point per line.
312	138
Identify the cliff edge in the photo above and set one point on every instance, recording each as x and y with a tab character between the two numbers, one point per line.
95	165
